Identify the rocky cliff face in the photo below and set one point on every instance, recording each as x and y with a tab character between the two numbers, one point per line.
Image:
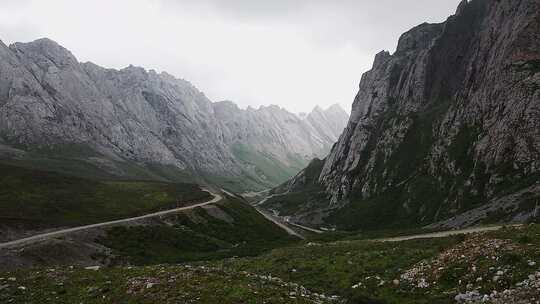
448	124
136	120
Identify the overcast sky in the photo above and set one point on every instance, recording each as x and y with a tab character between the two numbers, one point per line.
293	53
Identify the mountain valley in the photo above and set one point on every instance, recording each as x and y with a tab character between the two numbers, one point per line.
79	118
132	186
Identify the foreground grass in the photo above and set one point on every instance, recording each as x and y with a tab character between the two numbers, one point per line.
416	271
155	284
46	199
334	268
357	271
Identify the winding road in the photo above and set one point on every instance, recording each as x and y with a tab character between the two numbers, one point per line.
284	223
305	227
217	198
442	234
274	219
49	235
280	224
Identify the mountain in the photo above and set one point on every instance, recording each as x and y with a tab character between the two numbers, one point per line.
275	142
79	118
444	132
328	122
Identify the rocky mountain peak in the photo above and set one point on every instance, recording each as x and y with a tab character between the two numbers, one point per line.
317	109
45	51
419	37
336	110
381	58
131	69
462	6
227	104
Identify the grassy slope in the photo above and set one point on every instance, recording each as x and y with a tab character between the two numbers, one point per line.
308	197
266	167
197	235
172	284
74	160
48	199
334	268
83	161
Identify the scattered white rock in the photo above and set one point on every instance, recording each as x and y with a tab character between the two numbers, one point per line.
423	284
469	296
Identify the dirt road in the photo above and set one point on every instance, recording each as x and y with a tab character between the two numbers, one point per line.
49	235
439	234
280	224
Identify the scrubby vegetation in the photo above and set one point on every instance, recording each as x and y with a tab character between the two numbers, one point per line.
47	199
231	229
267	168
308	196
83	161
335	268
494	267
418	271
156	284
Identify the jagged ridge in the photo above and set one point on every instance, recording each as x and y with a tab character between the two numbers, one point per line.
133	120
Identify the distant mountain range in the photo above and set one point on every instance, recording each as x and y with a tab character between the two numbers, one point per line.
79	118
445	132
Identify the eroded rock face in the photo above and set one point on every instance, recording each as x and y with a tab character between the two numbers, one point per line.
449	122
49	99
